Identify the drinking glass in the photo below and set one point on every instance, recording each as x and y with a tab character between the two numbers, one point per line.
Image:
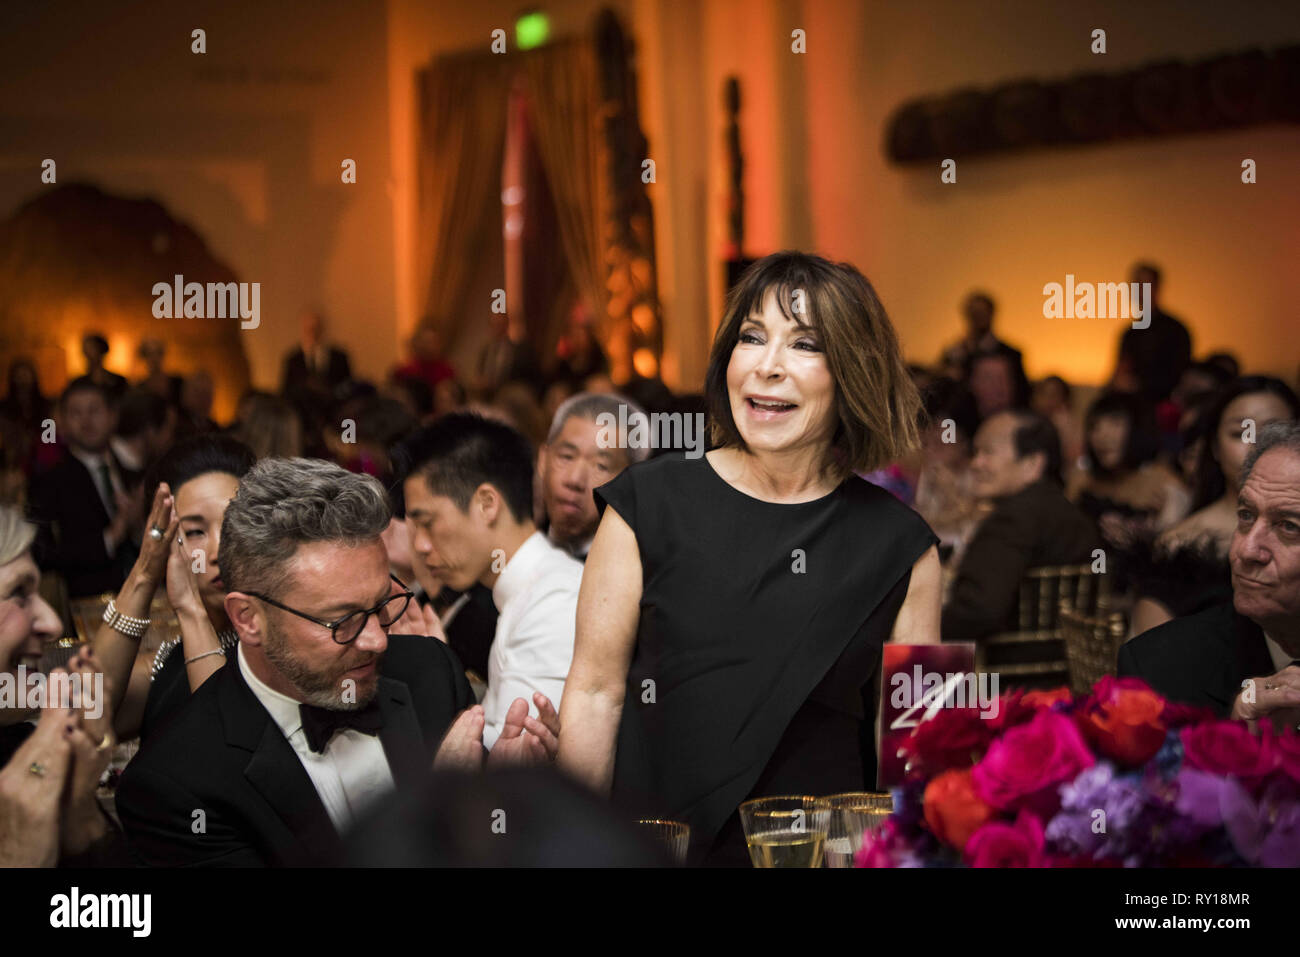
673	836
853	814
787	831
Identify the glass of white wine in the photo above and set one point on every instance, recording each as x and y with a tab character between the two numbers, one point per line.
853	814
785	831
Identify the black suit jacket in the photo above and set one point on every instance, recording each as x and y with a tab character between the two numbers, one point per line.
224	755
1035	527
296	377
1200	659
71	518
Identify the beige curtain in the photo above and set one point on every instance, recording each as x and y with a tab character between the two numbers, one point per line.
564	109
462	122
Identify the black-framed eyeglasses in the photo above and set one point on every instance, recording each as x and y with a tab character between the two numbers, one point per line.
348	628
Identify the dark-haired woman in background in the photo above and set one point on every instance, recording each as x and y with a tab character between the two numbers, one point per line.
733	605
1188	568
192	485
1126	489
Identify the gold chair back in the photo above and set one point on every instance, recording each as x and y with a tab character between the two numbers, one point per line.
1091	645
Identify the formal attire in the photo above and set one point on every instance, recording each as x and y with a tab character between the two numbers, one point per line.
1035	527
758	645
73	504
325	368
536	595
235	752
169	682
1201	659
469	620
1157	355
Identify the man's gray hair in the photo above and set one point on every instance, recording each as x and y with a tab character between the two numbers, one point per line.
1275	435
284	503
592	405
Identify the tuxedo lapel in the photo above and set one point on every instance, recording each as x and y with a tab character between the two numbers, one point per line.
273	768
401	736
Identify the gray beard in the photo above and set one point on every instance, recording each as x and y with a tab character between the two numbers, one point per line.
321	691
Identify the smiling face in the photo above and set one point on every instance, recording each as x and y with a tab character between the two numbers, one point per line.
779	386
26	621
201	505
996	469
571	467
1262	408
328	580
448	545
1265	550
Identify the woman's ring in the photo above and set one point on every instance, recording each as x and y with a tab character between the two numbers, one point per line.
106	743
156	533
37	769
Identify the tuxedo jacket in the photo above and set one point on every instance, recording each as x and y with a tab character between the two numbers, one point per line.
1200	659
71	518
295	375
222	754
1036	527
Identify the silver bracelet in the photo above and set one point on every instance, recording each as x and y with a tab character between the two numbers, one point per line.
215	651
128	625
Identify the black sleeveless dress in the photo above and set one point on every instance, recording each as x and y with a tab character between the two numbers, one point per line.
758	646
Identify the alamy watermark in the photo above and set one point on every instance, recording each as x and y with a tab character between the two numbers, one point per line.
655	430
931	690
30	692
1107	300
213	300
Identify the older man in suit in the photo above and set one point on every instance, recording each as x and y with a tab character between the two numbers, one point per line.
325	713
1239	658
1017	467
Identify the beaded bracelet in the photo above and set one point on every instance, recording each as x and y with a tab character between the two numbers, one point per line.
126	624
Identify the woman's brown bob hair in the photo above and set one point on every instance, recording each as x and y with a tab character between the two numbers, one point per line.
876	401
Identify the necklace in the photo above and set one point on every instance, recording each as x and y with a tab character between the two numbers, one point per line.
228	639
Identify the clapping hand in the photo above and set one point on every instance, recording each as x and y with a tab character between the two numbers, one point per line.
419	620
527	740
462	745
182	583
154	552
1276	696
81	820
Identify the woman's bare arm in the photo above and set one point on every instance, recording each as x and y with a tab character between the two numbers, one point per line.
918	618
608	612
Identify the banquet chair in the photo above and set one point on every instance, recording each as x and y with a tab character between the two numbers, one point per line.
1034	655
1091	645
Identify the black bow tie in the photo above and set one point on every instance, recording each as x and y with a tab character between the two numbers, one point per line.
320	724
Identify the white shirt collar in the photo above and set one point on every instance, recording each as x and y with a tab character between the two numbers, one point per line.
283	709
92	460
520	568
1275	651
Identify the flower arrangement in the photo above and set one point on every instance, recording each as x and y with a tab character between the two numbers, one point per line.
1120	778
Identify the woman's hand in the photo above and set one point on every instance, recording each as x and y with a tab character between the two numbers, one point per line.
82	822
182	583
154	552
29	799
419	620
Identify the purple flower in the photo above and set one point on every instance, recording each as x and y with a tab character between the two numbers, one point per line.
1266	832
1102	815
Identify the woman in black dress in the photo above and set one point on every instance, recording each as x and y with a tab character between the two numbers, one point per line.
192	484
733	605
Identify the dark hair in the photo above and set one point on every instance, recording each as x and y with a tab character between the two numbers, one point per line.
949	399
140	409
418	391
195	456
1066	391
462	451
981	296
1015	365
1210	484
97	339
1036	434
22	362
1143	435
84	384
876	403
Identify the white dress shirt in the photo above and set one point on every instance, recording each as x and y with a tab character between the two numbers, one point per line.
537	597
351	772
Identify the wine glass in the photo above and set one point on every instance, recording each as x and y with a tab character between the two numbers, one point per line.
673	836
785	831
853	814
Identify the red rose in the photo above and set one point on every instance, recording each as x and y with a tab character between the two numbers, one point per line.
953	811
1024	767
953	738
1045	699
999	844
1124	720
1228	748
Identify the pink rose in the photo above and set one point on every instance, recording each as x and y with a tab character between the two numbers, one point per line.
999	844
1228	748
1286	747
1024	767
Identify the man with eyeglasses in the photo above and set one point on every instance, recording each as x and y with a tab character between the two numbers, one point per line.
326	710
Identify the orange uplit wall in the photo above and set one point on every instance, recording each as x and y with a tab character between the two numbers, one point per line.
816	176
